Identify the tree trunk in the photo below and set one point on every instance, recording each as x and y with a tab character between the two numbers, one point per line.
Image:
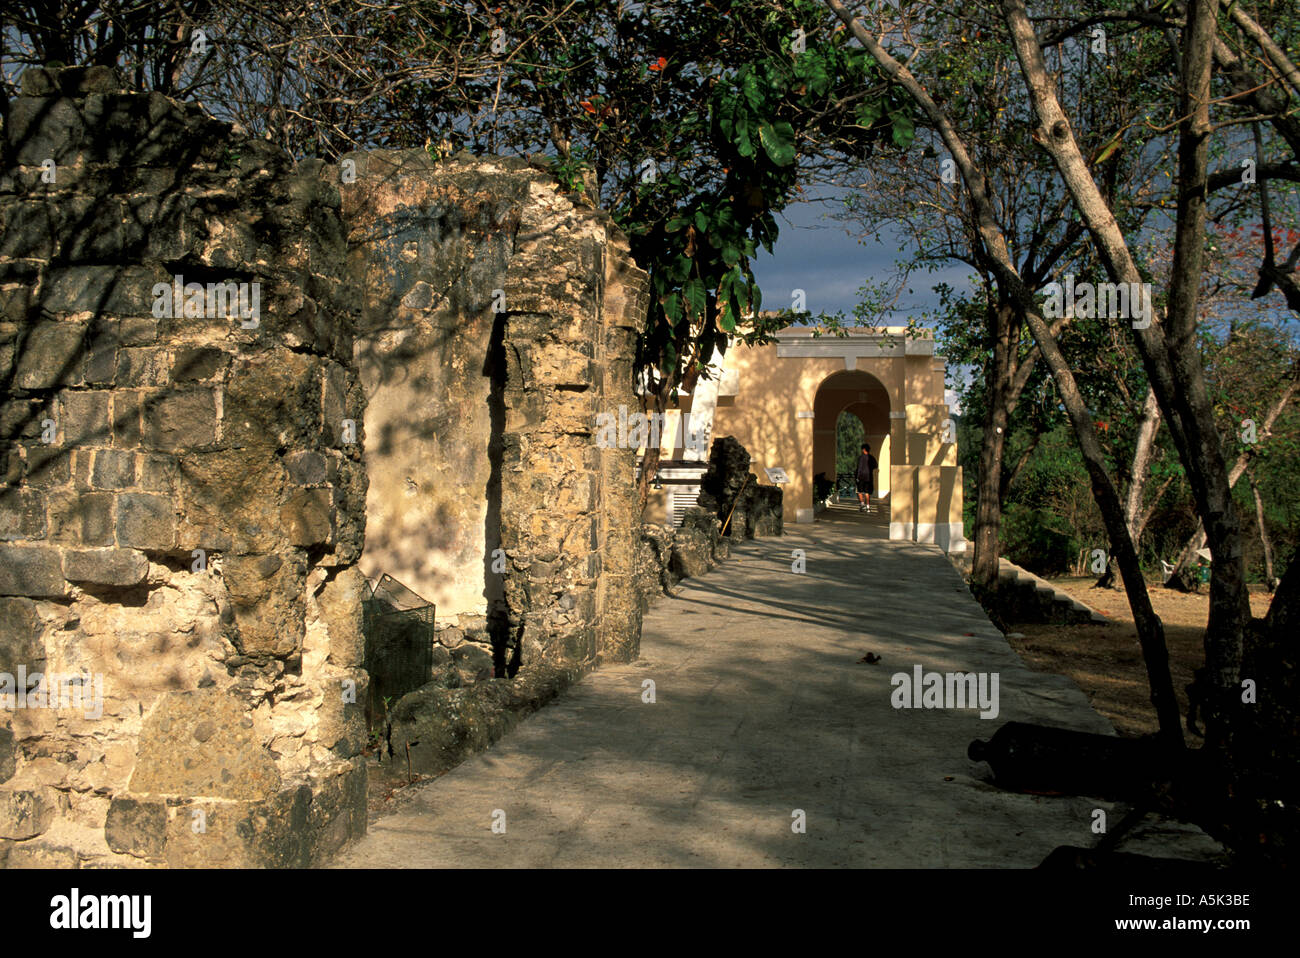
1150	628
1168	345
988	509
1143	453
1276	55
1263	533
1151	631
1180	579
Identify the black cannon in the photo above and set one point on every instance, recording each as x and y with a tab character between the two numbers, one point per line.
1038	758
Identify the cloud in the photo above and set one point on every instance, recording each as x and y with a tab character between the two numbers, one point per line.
815	253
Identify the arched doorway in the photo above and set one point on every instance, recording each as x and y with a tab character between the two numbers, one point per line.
863	396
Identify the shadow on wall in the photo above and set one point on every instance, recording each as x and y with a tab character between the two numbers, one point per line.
494	367
177	515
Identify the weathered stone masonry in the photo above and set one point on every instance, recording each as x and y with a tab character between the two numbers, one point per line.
480	421
232	728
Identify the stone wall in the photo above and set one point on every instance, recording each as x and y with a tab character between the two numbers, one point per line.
665	556
746	507
180	522
184	508
498	320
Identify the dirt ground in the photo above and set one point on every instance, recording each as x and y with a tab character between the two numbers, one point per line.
1106	661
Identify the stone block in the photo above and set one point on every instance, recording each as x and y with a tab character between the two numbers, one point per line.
339	604
114	469
307	517
75	81
191	536
47	464
158	473
29	229
273	400
126	418
692	553
20	637
84	419
341	724
51	356
142	366
22	514
180	420
133	331
473	662
100	364
8	754
202	743
15	301
12	466
114	567
101	290
95	511
306	468
35	571
237	491
25	813
267	597
21	418
146	521
36	854
136	827
194	363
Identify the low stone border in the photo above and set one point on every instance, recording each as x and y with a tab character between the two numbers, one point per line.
444	726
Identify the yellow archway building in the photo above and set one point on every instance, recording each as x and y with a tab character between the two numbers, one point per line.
782	400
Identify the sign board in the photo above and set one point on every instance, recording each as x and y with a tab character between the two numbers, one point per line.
776	474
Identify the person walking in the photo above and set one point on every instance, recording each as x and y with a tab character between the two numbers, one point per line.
866	481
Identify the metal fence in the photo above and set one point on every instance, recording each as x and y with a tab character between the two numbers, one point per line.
399	627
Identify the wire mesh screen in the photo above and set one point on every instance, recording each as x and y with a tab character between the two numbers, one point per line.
399	644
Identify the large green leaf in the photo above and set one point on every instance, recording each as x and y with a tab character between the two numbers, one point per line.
903	129
696	296
778	142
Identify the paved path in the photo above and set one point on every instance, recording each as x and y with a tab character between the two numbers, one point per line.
761	709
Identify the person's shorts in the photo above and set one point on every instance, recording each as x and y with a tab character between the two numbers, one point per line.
864	485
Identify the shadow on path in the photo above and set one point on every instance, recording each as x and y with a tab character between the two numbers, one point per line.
762	711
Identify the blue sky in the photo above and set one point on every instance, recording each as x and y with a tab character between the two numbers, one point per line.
815	253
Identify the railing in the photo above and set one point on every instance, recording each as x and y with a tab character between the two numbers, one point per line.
399	627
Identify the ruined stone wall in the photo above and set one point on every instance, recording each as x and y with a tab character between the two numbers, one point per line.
179	520
184	495
499	319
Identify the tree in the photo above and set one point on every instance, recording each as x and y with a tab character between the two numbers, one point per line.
685	120
917	195
1012	286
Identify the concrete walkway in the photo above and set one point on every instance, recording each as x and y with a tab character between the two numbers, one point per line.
761	708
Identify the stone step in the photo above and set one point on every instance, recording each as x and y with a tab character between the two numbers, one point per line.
1061	603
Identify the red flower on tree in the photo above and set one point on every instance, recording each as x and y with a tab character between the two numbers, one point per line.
659	64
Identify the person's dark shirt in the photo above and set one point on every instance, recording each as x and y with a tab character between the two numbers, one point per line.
866	464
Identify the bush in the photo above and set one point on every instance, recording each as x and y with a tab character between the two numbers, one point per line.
1030	541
